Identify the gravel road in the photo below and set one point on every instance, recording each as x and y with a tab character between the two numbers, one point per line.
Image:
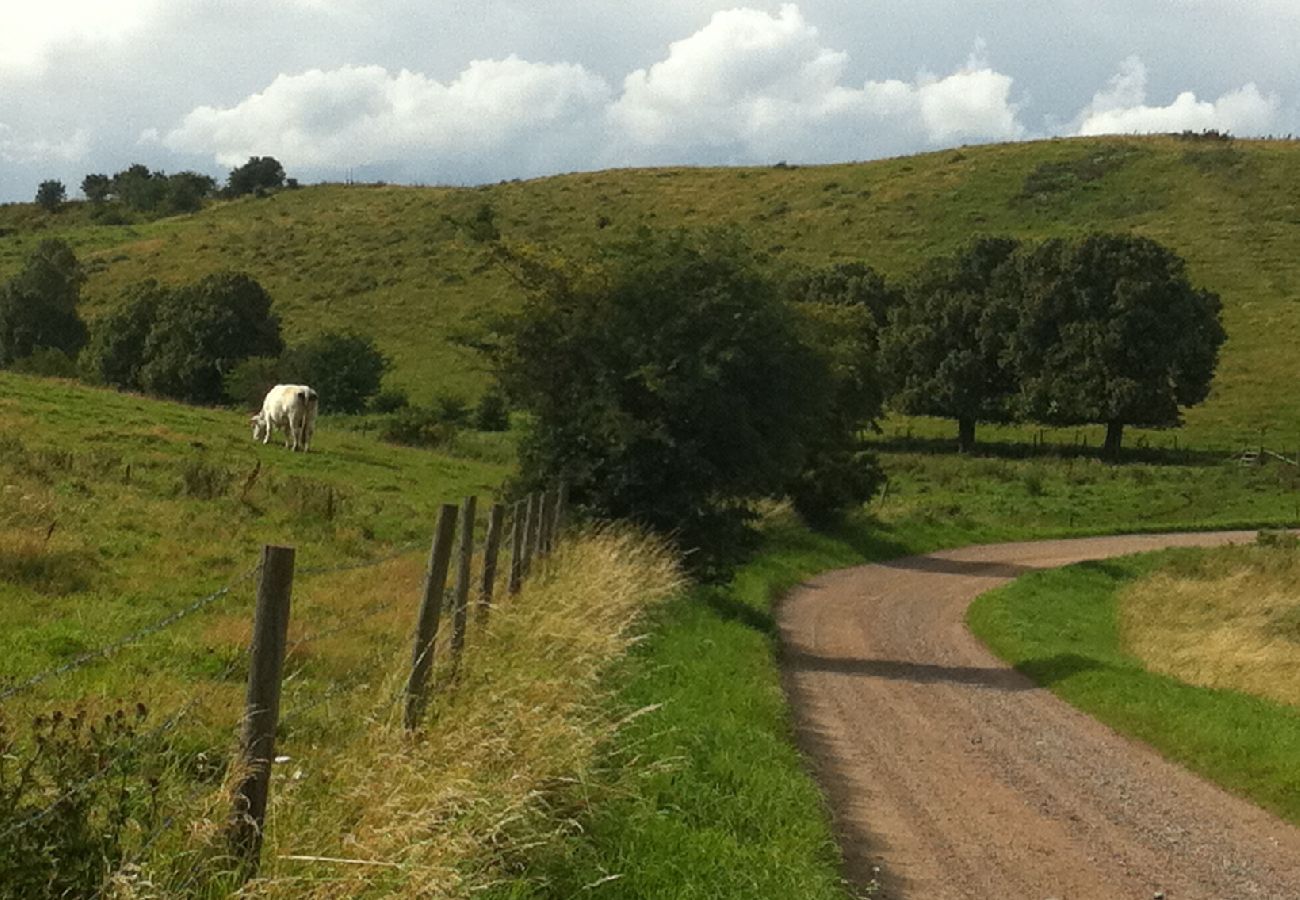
950	775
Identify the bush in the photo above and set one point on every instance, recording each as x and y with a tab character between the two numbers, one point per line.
492	413
247	383
203	330
668	385
38	306
346	370
47	361
389	400
417	427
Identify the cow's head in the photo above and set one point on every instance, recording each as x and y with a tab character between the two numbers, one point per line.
259	426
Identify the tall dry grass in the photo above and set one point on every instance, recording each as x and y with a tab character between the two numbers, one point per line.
362	809
1226	618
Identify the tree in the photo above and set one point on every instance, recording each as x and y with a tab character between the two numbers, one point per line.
50	195
38	306
97	188
260	173
140	189
945	350
202	331
346	369
1112	332
666	381
186	191
117	342
841	310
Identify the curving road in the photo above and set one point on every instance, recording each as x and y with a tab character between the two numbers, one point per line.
950	775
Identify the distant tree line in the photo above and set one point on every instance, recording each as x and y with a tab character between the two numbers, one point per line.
139	190
214	340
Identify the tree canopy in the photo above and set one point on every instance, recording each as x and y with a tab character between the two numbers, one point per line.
1111	331
945	350
180	342
260	173
667	382
346	369
38	306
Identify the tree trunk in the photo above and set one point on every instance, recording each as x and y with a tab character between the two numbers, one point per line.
1114	437
965	435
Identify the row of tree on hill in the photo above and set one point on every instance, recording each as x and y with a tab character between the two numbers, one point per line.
675	381
210	341
1106	329
138	189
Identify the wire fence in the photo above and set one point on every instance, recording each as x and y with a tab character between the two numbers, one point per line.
536	524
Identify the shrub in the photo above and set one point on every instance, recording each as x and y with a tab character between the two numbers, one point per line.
345	368
492	413
417	427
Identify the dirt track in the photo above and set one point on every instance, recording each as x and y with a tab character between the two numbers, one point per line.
959	778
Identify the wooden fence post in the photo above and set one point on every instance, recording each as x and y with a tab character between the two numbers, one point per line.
491	550
544	524
561	507
517	533
426	628
460	599
262	706
530	532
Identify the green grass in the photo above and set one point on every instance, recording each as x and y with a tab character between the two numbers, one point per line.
392	262
1060	628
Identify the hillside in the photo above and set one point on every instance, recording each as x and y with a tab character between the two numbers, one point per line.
392	261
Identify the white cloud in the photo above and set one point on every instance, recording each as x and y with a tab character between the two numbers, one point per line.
1122	108
365	115
31	29
15	148
751	86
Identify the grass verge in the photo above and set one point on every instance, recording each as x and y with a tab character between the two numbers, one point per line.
1062	628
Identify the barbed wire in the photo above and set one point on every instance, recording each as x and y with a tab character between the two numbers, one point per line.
134	637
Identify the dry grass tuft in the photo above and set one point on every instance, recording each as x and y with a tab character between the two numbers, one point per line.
1227	618
507	743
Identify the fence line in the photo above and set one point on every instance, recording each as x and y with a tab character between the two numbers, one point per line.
535	526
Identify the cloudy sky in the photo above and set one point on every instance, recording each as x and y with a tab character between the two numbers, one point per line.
458	92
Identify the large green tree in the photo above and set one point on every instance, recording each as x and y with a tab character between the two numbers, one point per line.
258	174
1112	332
667	383
38	306
944	352
50	195
180	342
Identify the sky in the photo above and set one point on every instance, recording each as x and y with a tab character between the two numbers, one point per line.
459	92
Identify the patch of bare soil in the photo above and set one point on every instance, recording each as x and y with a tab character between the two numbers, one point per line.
950	775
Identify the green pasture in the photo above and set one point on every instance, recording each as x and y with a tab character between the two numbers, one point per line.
1061	628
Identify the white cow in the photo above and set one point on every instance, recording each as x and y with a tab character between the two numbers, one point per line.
292	409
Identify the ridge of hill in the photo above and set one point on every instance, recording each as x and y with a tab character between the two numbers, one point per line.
394	262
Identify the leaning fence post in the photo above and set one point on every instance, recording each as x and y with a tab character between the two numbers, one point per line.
491	549
544	524
262	706
460	601
517	533
530	532
426	629
561	507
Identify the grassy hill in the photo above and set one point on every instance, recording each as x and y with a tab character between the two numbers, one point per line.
392	262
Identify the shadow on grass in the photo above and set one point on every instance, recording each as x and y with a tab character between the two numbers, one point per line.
937	446
730	609
1051	669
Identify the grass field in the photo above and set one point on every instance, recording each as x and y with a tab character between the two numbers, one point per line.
116	510
394	262
1064	629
